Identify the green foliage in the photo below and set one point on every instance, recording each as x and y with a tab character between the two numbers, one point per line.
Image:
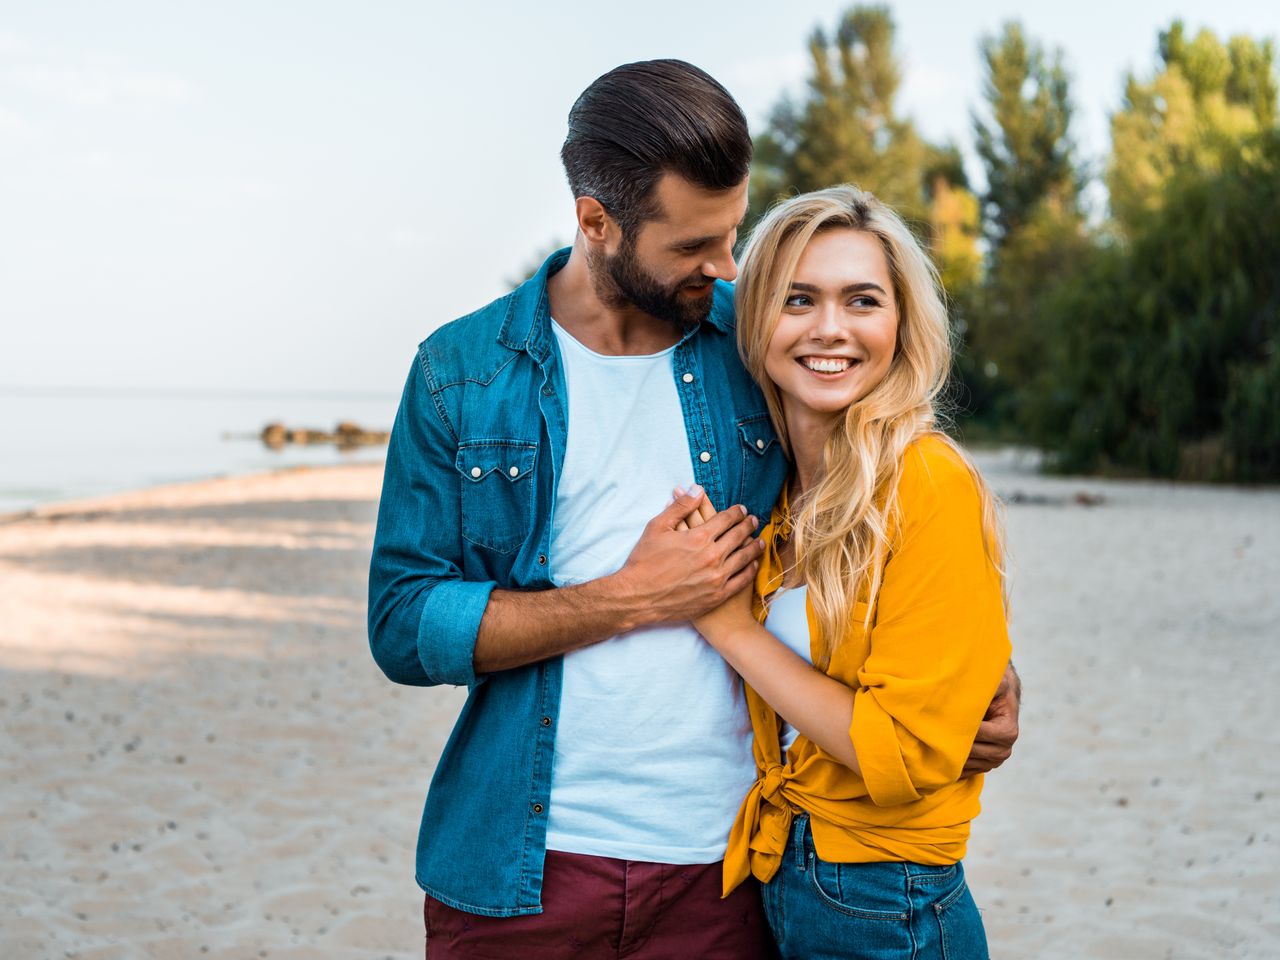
1033	221
1190	116
1251	418
1025	146
847	130
1165	359
1010	330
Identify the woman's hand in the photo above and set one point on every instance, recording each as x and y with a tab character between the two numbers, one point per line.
720	622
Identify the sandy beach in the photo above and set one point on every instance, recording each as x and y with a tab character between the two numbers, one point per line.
200	759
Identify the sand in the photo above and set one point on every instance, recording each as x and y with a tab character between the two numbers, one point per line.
199	758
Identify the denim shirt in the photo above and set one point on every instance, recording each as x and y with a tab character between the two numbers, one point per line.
467	500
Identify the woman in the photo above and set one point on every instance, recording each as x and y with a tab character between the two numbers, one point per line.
882	569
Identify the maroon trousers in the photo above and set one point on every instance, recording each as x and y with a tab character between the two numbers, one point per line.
598	907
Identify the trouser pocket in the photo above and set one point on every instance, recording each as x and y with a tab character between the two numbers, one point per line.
960	932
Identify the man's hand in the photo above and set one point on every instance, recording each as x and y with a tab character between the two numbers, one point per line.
734	612
673	575
999	728
676	573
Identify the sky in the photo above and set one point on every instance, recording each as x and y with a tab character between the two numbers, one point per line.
289	196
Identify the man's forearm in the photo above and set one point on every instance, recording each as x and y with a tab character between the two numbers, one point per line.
525	626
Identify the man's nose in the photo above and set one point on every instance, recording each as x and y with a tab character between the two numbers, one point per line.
721	266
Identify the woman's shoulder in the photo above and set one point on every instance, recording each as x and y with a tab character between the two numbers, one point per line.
933	467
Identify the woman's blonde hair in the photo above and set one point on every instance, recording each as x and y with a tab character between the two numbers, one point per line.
841	528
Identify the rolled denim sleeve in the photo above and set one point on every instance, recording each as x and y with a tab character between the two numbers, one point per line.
423	615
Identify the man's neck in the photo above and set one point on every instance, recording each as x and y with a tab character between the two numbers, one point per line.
606	329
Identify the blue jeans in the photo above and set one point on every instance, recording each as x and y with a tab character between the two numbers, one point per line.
869	911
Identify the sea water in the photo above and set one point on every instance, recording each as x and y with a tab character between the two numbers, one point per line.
61	445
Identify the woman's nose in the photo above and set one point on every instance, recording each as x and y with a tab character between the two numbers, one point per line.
828	325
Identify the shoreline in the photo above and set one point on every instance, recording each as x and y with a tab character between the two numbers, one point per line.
107	502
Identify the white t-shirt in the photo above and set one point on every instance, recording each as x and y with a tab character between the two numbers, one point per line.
788	620
653	742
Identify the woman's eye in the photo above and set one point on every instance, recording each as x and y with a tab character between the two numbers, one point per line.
865	303
797	300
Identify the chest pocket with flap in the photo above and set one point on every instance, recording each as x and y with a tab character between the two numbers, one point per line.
497	491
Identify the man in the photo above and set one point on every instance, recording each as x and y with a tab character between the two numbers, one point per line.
582	803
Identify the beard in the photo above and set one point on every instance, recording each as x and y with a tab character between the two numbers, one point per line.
621	280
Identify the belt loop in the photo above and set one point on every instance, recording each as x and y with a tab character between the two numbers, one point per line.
797	838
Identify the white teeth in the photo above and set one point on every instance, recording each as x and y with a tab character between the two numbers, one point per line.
822	365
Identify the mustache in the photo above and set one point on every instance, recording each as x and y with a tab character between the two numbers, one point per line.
697	281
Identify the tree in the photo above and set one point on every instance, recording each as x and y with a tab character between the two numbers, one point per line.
847	129
1167	355
1032	219
1009	329
1191	115
955	222
1025	146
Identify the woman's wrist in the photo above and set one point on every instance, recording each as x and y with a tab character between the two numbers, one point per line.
731	636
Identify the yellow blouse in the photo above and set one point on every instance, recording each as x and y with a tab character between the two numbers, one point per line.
923	675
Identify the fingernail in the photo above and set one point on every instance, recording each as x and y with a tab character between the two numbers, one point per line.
754	521
679	491
694	491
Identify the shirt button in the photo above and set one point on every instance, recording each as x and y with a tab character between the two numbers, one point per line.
687	378
759	444
542	558
546	721
514	471
704	456
537	808
475	472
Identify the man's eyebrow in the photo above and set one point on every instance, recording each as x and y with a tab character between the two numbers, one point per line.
851	288
712	238
695	241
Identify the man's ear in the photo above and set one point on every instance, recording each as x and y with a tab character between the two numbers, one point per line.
596	225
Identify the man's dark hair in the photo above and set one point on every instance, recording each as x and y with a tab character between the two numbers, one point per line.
641	120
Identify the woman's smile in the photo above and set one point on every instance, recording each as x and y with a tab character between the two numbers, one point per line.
827	367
